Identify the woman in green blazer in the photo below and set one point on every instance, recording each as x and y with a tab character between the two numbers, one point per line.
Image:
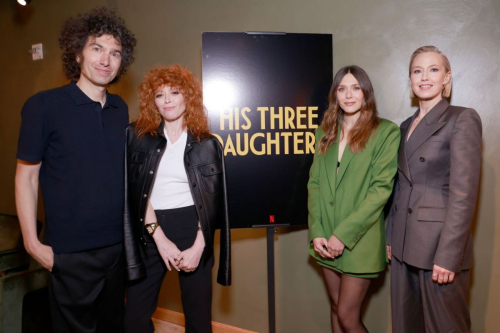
350	181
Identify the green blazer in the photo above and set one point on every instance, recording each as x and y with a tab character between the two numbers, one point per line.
350	203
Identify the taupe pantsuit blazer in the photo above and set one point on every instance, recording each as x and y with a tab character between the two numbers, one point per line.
436	190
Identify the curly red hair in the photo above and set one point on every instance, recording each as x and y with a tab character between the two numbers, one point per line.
178	77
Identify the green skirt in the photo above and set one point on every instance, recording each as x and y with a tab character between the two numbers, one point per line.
359	275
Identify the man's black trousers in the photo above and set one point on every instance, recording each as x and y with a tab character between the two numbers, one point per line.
87	291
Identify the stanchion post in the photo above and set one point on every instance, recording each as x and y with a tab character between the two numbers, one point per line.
271	295
271	301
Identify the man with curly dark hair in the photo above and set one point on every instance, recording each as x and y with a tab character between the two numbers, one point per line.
72	141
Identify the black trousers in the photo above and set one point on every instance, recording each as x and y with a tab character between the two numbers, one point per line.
180	225
87	291
420	305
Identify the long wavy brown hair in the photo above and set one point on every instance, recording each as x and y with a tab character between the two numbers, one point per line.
334	115
175	77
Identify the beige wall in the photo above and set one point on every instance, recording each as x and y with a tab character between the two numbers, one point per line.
377	35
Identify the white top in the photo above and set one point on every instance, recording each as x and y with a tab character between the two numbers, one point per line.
171	187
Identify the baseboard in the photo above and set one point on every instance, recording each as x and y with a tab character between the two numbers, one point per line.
177	318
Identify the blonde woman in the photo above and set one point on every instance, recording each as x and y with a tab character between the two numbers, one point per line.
429	227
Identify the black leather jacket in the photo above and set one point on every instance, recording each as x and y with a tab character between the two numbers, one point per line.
205	170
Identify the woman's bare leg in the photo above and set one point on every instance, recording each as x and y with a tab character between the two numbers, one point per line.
332	279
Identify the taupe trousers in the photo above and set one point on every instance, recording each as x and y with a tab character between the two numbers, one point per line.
434	203
421	305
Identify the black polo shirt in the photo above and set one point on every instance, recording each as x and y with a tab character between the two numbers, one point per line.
81	146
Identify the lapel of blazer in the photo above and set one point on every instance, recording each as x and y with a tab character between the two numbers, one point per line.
426	128
402	161
330	164
344	163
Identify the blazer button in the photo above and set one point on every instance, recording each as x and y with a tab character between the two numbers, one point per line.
411	185
200	206
145	195
151	172
409	210
422	159
194	184
158	150
188	164
205	228
331	203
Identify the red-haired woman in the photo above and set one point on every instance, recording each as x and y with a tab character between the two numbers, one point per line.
351	179
175	199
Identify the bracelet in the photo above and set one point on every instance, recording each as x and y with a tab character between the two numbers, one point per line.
151	227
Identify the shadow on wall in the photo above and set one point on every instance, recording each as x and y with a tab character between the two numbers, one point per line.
375	287
241	236
127	90
318	316
303	292
480	277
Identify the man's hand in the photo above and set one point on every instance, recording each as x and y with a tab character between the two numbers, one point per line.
389	253
43	254
26	203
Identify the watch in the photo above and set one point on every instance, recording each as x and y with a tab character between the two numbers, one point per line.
151	227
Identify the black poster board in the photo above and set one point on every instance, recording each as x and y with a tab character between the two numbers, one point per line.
265	94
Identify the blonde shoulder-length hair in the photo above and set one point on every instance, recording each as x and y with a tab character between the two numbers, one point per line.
429	48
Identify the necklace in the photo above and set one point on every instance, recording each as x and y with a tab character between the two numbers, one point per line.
417	119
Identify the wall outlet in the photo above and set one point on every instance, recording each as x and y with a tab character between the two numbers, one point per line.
37	51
